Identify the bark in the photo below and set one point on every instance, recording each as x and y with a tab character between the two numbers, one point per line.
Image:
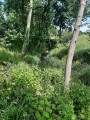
60	32
23	14
26	42
73	44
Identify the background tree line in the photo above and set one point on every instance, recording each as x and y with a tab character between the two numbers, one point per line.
47	16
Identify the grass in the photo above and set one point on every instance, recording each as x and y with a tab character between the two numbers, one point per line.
82	49
81	63
8	56
82	52
14	57
83	43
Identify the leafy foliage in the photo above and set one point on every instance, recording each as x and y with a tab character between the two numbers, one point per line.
30	89
26	89
66	37
8	56
85	76
13	35
36	92
81	99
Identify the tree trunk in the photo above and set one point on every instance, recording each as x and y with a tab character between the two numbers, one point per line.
26	42
60	32
23	14
73	44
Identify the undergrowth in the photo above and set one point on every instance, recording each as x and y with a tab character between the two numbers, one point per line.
32	90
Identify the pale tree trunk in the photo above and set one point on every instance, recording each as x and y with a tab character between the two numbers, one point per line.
73	44
26	42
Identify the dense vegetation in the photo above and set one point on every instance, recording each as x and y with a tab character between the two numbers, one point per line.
31	89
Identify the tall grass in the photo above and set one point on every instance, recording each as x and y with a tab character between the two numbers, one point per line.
8	56
14	57
83	43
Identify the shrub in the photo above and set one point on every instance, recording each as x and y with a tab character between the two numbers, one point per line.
81	72
83	56
19	99
52	80
9	113
54	62
4	55
9	56
66	37
31	59
59	53
85	76
63	108
24	76
60	50
31	107
81	100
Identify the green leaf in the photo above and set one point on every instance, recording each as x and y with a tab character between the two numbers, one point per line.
35	106
60	112
73	117
53	106
31	110
40	108
48	109
25	114
47	103
38	115
50	119
58	107
46	114
41	102
59	118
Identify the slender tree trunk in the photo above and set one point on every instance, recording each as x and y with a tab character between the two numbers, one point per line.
23	14
26	42
73	44
60	32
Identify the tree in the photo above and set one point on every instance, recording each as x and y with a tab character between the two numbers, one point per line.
64	15
15	13
2	22
42	17
26	42
73	44
60	17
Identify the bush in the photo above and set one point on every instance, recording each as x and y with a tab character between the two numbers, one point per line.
54	62
81	100
63	108
52	81
66	37
81	72
83	56
24	76
85	76
19	99
7	56
31	59
60	52
33	107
